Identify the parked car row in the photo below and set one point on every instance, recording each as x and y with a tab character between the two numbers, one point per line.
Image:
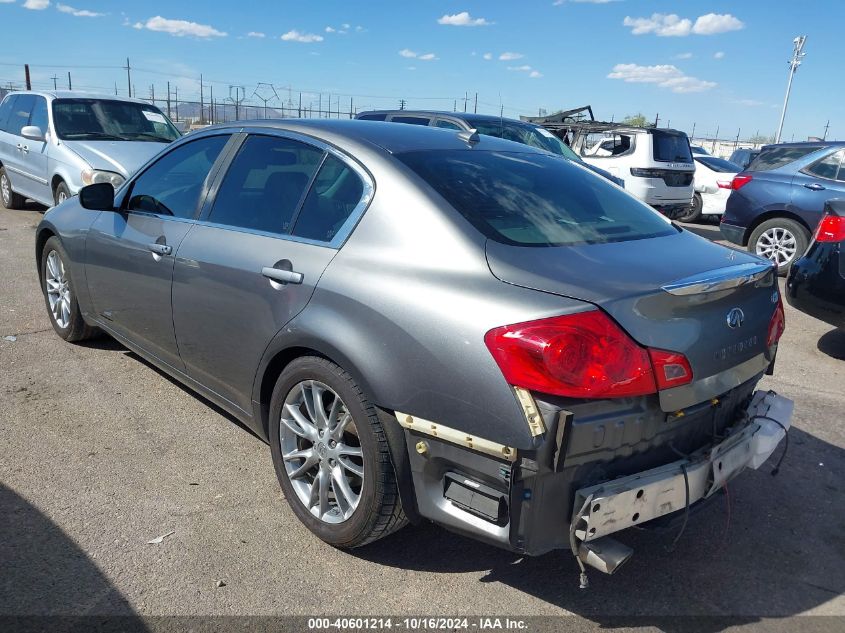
429	323
54	143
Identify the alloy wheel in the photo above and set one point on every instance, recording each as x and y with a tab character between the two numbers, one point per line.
6	190
321	451
777	244
61	197
58	289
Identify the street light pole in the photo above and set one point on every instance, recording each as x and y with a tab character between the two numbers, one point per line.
797	55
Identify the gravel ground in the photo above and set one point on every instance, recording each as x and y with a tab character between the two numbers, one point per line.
102	453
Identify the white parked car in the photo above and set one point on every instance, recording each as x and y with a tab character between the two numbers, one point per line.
656	164
712	185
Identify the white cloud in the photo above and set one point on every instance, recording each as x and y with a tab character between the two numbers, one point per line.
330	30
535	74
411	67
257	34
672	25
79	13
525	68
683	56
304	38
663	75
664	25
463	19
36	5
343	29
427	57
179	28
488	56
713	23
718	55
7	1
509	57
751	103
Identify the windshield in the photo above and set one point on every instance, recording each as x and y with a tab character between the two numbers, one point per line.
111	120
719	164
670	147
535	199
531	135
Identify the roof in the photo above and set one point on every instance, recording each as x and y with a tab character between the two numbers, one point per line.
77	94
392	137
465	116
806	144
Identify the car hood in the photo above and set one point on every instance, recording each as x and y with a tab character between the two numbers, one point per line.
123	157
627	280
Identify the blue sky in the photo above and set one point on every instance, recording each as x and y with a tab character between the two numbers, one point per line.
709	63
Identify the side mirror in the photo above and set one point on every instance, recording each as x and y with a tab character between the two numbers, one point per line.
97	197
32	132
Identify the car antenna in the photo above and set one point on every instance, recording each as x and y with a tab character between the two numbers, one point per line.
470	136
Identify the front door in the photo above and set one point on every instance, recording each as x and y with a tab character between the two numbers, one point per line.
245	271
33	156
130	252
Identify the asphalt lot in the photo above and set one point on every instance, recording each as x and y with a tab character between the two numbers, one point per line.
101	453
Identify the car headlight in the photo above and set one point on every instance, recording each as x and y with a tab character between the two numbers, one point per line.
94	176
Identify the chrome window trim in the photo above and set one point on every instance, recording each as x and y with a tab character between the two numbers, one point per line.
351	222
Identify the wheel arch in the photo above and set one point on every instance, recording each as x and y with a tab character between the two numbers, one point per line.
54	183
41	238
770	215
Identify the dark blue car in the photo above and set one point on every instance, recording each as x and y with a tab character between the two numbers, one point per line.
776	204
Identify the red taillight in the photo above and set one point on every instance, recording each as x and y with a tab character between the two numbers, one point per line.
740	181
725	184
831	229
583	355
777	325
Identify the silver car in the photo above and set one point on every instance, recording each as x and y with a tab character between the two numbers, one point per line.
424	324
54	143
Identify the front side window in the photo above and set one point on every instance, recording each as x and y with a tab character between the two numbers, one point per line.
671	147
263	187
172	185
533	199
111	120
19	116
38	116
827	167
775	157
336	192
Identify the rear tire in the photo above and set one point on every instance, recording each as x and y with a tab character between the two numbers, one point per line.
60	295
8	198
781	241
693	212
326	436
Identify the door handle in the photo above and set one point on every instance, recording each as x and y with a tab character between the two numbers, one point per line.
282	276
23	148
814	186
160	249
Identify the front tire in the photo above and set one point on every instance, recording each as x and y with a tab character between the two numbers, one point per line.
8	198
331	455
60	295
61	193
781	241
693	212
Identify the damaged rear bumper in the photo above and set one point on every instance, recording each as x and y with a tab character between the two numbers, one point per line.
606	508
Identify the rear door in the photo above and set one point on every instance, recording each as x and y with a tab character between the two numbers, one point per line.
130	253
33	156
281	211
815	184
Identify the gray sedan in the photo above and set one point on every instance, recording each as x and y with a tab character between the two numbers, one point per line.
429	324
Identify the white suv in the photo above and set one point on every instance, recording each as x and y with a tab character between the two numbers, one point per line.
656	164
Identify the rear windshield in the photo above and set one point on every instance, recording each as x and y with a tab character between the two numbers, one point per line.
671	147
775	157
719	164
531	135
535	199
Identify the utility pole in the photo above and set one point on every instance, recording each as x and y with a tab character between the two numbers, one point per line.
797	55
736	142
401	104
55	85
692	136
168	99
240	94
115	88
350	106
211	112
466	98
300	105
656	119
826	126
267	88
176	99
69	84
716	138
455	106
26	75
202	102
128	79
475	108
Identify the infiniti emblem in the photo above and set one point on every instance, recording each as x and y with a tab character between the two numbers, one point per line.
735	318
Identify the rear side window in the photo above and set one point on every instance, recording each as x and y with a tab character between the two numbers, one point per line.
19	116
827	167
413	120
172	185
535	199
336	192
779	156
264	185
671	147
372	117
5	109
448	125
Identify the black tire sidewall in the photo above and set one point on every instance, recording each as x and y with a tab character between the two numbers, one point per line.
802	238
11	204
694	210
355	529
76	324
60	187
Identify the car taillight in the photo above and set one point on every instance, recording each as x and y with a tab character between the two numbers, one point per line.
831	229
583	355
724	184
740	181
777	325
641	172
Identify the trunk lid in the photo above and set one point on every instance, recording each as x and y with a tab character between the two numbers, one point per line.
661	291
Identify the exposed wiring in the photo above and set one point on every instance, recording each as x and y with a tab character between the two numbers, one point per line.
776	469
584	582
671	547
728	508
